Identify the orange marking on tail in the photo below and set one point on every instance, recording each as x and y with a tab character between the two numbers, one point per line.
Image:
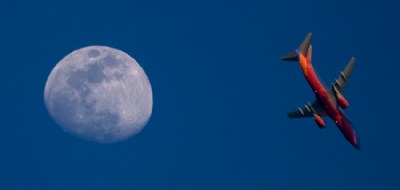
303	64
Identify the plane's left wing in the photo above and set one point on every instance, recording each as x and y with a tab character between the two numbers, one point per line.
308	111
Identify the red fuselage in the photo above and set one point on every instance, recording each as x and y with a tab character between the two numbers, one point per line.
331	109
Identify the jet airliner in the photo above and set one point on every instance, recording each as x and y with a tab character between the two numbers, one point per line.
330	102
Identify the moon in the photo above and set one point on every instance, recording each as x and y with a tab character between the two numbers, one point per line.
100	94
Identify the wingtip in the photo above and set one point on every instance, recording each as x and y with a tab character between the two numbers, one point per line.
351	62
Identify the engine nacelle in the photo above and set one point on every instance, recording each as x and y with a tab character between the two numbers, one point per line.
319	121
343	103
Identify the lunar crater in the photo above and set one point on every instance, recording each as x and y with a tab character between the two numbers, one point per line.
93	53
95	73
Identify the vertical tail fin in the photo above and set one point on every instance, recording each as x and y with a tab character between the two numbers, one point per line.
304	49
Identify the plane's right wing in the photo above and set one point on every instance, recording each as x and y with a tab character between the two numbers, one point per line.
308	111
344	76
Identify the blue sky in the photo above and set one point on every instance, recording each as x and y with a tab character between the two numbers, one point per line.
221	95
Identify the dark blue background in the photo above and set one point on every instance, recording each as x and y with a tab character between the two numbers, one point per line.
221	95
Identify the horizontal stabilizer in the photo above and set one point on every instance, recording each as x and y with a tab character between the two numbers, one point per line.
290	57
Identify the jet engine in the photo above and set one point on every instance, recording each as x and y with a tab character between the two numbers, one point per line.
319	121
343	103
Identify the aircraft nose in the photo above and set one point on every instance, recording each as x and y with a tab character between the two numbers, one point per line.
356	145
349	132
356	141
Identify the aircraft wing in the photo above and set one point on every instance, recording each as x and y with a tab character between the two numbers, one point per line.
308	111
341	81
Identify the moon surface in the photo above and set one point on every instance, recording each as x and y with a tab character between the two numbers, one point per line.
100	94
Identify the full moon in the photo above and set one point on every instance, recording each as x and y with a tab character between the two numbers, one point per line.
100	94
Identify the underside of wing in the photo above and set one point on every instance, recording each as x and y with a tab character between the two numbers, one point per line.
341	81
308	111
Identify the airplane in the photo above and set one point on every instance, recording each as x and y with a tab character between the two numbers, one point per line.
329	102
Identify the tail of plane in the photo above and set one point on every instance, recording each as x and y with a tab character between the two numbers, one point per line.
290	57
304	48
